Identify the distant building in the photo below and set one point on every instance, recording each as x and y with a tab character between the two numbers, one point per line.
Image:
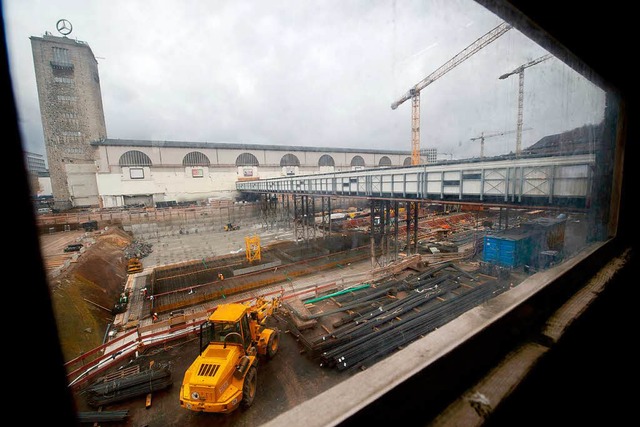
133	172
35	163
88	169
72	116
39	179
429	155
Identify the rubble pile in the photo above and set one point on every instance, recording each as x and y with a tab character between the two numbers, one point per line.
137	249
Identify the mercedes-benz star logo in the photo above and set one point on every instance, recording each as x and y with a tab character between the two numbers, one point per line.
64	27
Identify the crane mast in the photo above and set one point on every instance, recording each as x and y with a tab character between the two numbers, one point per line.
414	92
520	72
482	137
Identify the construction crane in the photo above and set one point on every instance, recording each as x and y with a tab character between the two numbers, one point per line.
482	137
414	92
520	72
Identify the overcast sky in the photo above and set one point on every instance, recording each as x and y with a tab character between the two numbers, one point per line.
296	72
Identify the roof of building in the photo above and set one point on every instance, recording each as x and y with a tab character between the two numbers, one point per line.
238	146
62	39
578	140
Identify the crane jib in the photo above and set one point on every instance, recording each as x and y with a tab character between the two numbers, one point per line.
455	61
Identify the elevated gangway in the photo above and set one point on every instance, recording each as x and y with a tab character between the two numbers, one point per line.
545	181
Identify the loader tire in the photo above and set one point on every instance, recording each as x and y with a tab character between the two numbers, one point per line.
273	345
249	387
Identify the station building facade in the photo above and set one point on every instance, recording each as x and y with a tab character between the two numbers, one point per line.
132	172
88	169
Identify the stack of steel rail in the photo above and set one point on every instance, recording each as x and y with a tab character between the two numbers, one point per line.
376	322
102	416
134	385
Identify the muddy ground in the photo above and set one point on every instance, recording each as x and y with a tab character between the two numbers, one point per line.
86	290
283	382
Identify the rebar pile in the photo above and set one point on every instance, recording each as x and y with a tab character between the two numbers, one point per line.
102	416
376	324
414	317
134	385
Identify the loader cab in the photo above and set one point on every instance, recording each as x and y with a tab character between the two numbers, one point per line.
226	326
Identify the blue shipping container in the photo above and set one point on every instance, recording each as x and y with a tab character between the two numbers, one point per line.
508	250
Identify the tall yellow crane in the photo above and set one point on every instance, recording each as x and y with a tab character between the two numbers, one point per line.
414	92
520	72
482	137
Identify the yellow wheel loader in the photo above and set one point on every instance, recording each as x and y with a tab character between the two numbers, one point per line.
223	376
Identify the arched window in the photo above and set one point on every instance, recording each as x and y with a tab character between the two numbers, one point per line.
357	161
407	161
134	158
195	158
289	160
384	161
247	159
326	160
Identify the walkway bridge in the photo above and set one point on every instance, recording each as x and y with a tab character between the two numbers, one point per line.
397	196
556	181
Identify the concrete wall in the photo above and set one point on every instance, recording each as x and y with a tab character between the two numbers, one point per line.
81	181
44	185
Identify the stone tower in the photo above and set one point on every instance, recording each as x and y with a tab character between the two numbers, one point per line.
72	116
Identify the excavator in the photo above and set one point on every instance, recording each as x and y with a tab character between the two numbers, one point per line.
223	377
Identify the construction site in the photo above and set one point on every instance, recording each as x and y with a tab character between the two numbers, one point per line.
346	302
314	291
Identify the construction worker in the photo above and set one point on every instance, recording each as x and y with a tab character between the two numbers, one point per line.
155	317
220	276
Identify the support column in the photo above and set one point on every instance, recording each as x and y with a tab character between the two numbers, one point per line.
269	210
304	219
325	212
378	227
413	213
395	229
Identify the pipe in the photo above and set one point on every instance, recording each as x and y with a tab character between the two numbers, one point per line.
344	291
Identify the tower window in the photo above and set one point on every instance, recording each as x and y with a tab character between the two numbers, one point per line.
61	59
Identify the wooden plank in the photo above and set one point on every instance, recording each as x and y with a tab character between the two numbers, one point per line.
299	308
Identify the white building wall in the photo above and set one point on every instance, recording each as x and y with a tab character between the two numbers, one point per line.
168	180
81	182
44	184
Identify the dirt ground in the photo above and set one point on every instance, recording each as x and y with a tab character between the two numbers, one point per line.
83	296
287	380
86	290
84	293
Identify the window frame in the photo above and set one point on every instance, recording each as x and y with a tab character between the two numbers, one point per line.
388	391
